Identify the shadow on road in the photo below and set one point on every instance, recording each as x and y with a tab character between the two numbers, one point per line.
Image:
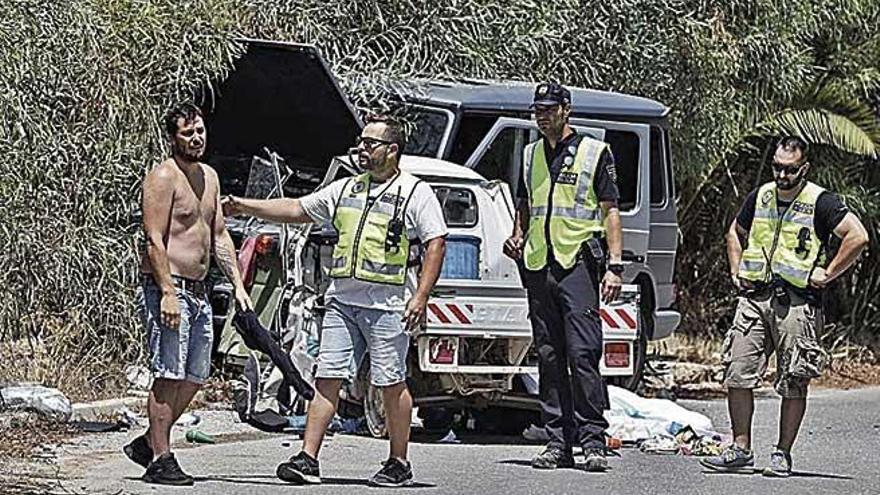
472	439
272	480
794	474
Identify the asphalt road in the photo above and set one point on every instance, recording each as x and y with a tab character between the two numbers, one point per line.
838	452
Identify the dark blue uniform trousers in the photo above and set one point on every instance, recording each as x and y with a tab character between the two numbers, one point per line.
564	312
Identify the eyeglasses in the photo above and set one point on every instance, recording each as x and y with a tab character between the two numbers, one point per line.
369	143
787	169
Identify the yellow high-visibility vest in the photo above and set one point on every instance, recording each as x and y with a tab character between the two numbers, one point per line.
576	214
363	250
786	245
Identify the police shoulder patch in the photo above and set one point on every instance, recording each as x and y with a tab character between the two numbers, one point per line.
766	197
358	187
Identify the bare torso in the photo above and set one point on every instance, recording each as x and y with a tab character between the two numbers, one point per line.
189	235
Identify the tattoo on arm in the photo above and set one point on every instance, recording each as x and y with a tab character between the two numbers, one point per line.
226	260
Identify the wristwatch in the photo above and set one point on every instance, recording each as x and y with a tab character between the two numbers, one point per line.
616	268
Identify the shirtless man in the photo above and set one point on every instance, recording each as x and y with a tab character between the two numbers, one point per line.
183	224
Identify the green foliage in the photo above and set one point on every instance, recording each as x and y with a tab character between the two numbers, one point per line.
84	82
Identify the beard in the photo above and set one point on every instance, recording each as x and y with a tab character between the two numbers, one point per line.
789	184
189	154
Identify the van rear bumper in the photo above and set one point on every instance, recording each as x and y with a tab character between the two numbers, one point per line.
665	323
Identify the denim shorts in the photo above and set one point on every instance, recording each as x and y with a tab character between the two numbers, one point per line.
349	332
183	353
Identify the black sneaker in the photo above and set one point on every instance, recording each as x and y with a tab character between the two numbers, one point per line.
301	469
553	457
595	460
139	451
166	471
394	473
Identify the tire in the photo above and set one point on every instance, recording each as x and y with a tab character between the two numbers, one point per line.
374	411
640	354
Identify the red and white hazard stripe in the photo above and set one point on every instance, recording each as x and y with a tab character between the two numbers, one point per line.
619	318
450	313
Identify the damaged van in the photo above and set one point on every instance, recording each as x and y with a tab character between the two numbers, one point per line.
280	126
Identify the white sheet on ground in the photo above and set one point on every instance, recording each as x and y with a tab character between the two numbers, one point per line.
632	418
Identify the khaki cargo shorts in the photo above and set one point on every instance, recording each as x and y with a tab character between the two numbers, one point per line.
765	323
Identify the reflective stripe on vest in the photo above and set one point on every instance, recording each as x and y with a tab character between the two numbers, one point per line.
575	215
789	244
363	227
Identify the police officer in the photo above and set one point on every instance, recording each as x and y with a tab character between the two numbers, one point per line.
566	232
778	249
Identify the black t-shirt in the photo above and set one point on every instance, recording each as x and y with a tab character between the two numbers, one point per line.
830	210
605	181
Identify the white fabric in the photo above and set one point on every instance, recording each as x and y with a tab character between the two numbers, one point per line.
423	220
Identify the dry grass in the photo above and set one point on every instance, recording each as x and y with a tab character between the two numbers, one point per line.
82	377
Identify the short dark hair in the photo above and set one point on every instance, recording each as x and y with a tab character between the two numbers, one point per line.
792	143
185	110
394	129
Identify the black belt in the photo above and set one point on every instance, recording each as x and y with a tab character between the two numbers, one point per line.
194	287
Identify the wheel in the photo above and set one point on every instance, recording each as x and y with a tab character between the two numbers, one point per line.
640	353
374	411
374	406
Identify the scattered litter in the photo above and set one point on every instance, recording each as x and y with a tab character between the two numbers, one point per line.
99	426
449	438
353	426
613	443
296	424
196	436
660	444
139	377
49	402
128	417
188	419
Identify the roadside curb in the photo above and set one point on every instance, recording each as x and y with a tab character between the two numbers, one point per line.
101	409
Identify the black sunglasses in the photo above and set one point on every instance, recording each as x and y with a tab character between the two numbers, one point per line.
371	143
788	169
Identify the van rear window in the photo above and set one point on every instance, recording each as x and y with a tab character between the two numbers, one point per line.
459	206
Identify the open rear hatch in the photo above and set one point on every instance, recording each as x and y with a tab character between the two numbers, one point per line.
281	97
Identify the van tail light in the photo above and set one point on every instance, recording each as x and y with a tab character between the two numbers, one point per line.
441	350
247	257
617	355
265	244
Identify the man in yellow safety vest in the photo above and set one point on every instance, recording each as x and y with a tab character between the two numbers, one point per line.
778	248
566	232
373	299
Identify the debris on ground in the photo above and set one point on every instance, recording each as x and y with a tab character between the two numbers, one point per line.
449	438
188	419
49	402
138	377
656	425
197	436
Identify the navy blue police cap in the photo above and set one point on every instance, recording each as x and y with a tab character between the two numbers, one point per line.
551	94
